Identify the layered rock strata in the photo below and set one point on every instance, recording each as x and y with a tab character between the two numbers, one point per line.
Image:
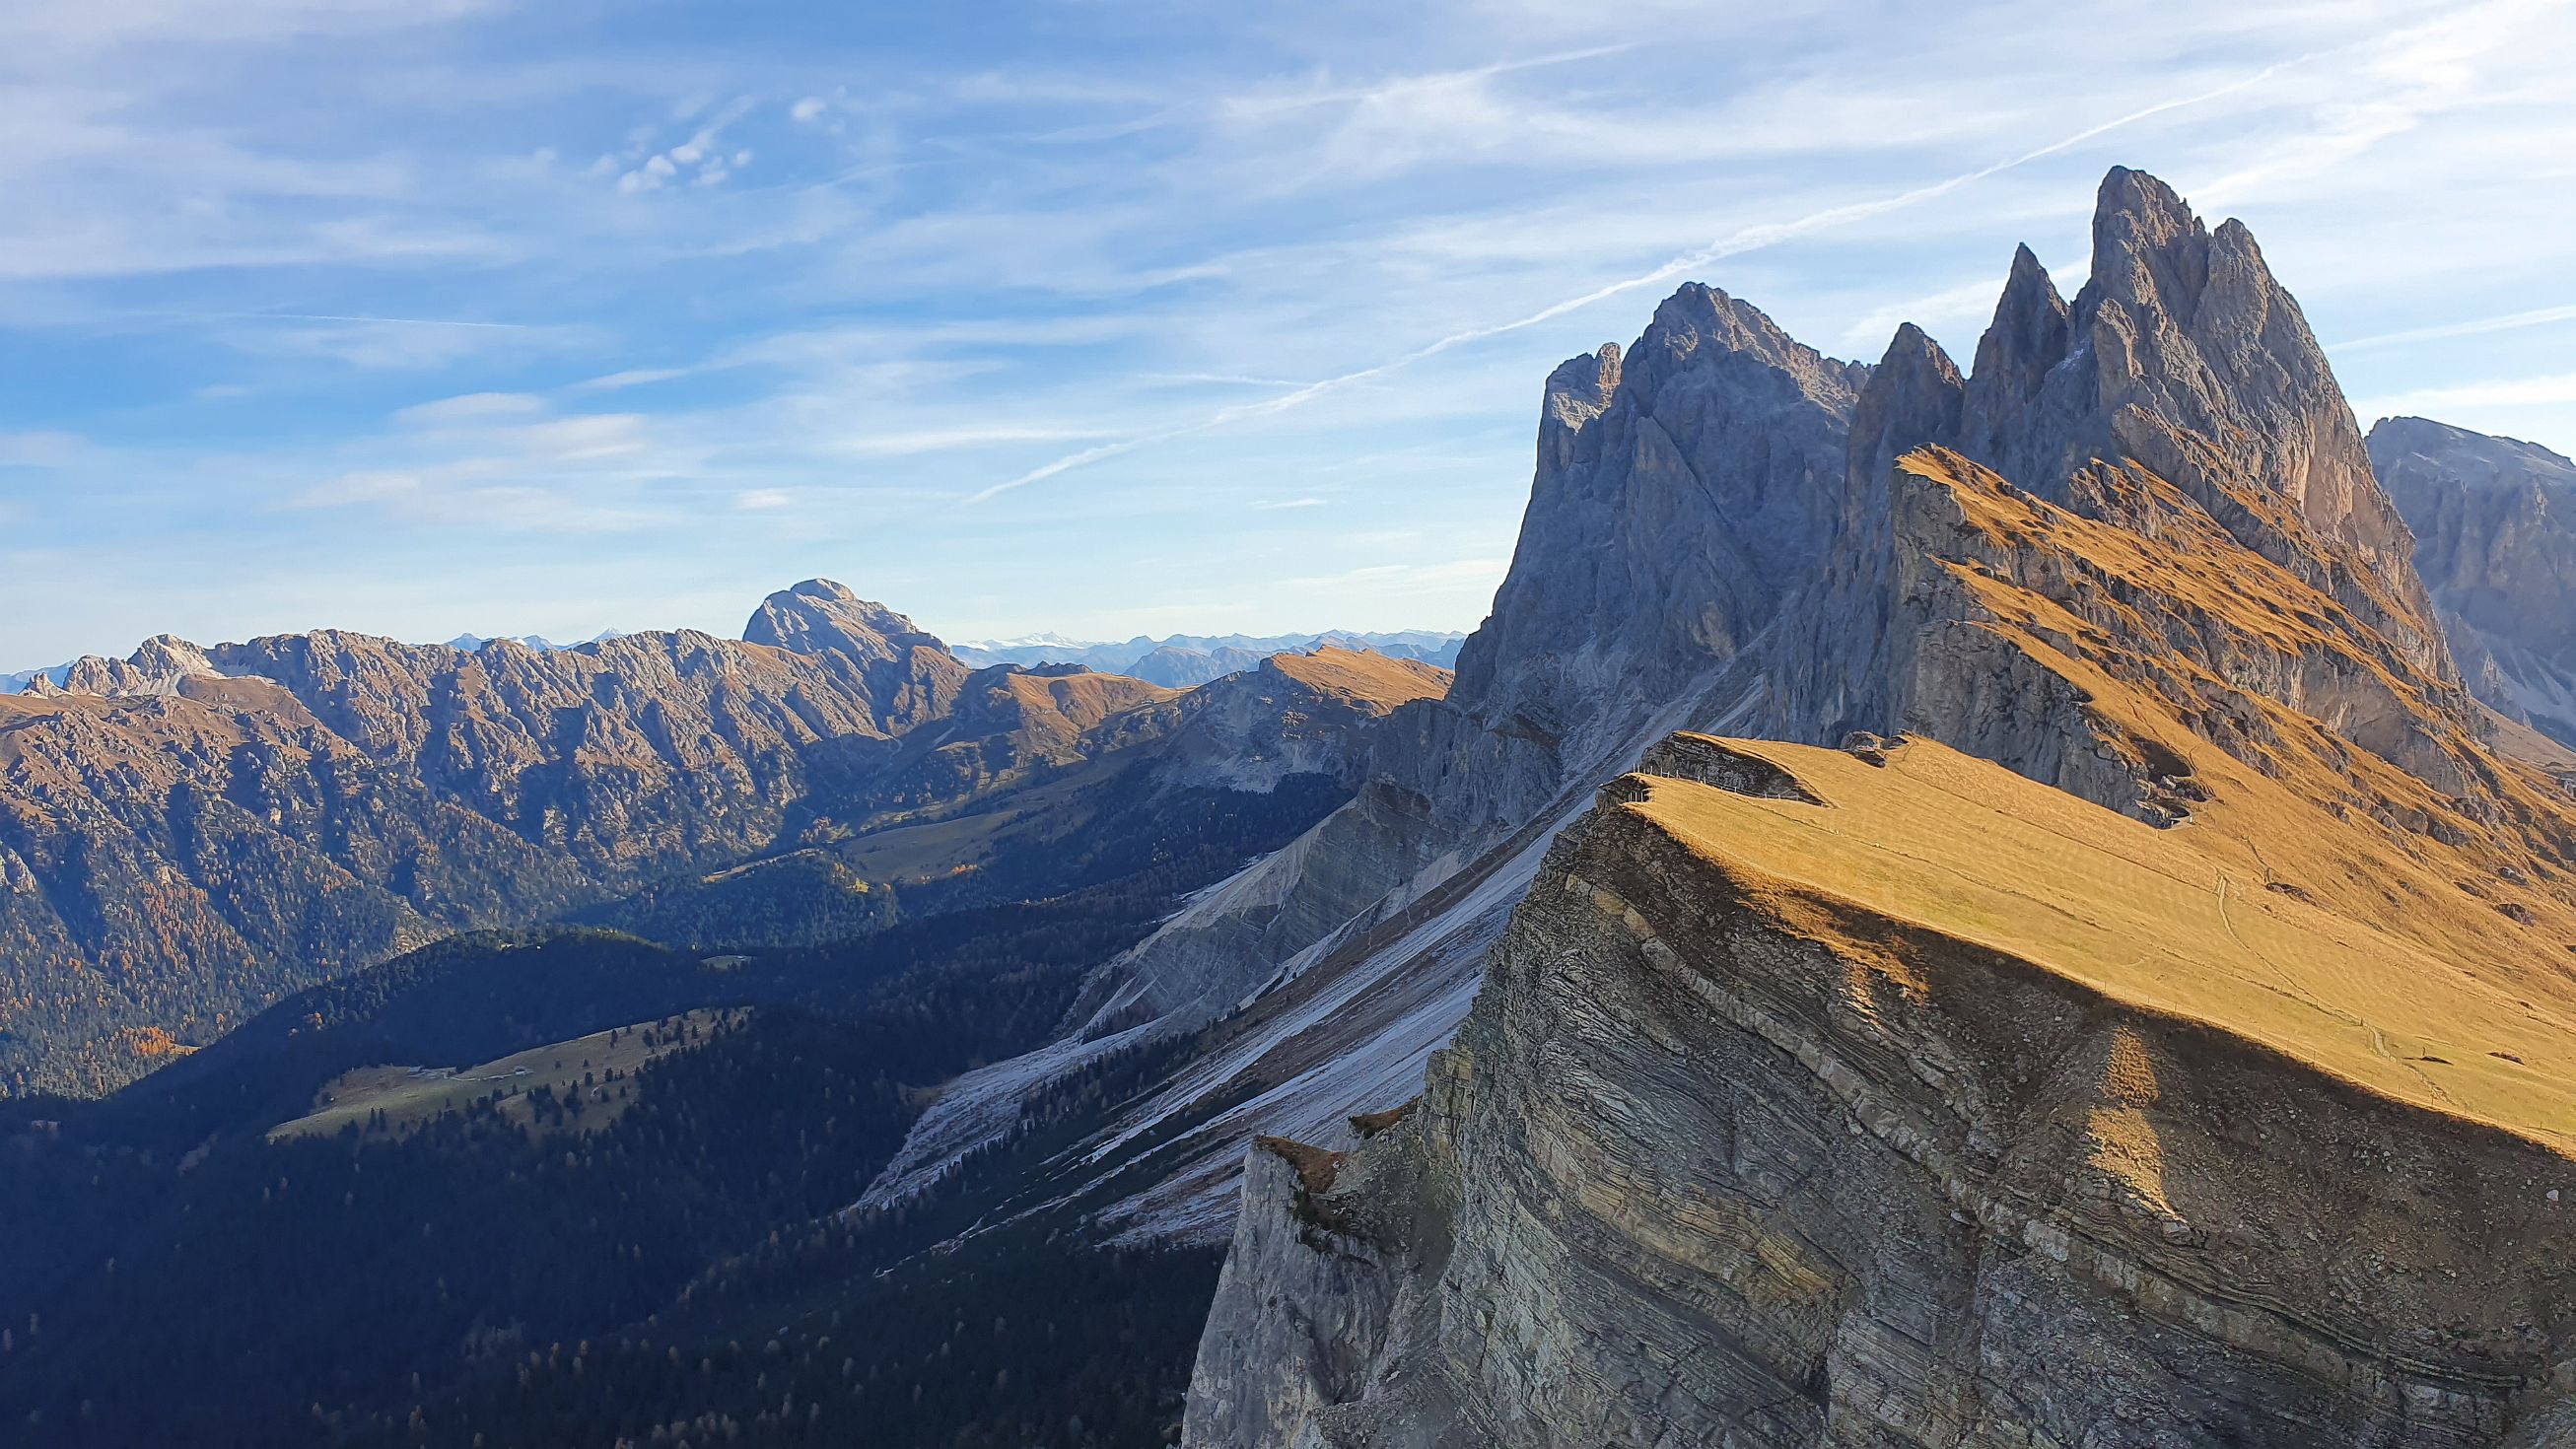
1791	1118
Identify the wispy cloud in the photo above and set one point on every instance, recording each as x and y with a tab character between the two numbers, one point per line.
1225	265
2478	327
2461	399
40	449
473	407
1743	240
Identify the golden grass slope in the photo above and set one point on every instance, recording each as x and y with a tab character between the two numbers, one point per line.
2218	664
1364	677
2468	1013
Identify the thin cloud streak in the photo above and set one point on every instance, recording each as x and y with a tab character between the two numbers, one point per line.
2510	321
327	317
1748	239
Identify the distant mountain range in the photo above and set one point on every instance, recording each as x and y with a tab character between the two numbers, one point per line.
189	832
18	682
1186	659
1176	660
471	642
2495	540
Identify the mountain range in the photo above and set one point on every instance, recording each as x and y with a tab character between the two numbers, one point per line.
1185	659
190	832
2019	904
1178	660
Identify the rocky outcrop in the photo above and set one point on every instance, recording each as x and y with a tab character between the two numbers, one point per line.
1685	489
1681	488
1664	473
2180	392
1790	1119
2495	541
2184	354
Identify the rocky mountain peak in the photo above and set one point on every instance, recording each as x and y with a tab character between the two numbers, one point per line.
155	668
1684	487
1915	392
2494	522
1701	330
2032	330
1582	385
819	615
2150	251
907	674
2181	392
2184	354
1577	392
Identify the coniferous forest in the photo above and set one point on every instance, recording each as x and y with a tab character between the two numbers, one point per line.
657	1254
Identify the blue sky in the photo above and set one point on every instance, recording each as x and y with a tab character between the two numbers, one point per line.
428	316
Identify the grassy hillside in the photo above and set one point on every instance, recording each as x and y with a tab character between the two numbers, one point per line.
2220	923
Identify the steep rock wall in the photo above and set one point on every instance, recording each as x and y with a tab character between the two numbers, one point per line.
1717	1161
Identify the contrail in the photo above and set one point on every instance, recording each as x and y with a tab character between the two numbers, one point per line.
2537	317
1750	238
328	317
396	321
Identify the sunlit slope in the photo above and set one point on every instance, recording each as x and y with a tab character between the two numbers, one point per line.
589	1067
1365	678
1934	844
2247	702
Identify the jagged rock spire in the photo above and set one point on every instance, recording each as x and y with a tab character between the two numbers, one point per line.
2029	337
1831	674
1685	487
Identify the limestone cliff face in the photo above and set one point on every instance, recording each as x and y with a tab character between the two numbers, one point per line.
1685	488
1682	488
1733	1151
2184	354
2495	541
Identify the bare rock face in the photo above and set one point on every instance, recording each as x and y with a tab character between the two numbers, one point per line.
1722	1157
2180	392
1830	668
2184	354
1685	489
906	675
2495	541
1682	487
